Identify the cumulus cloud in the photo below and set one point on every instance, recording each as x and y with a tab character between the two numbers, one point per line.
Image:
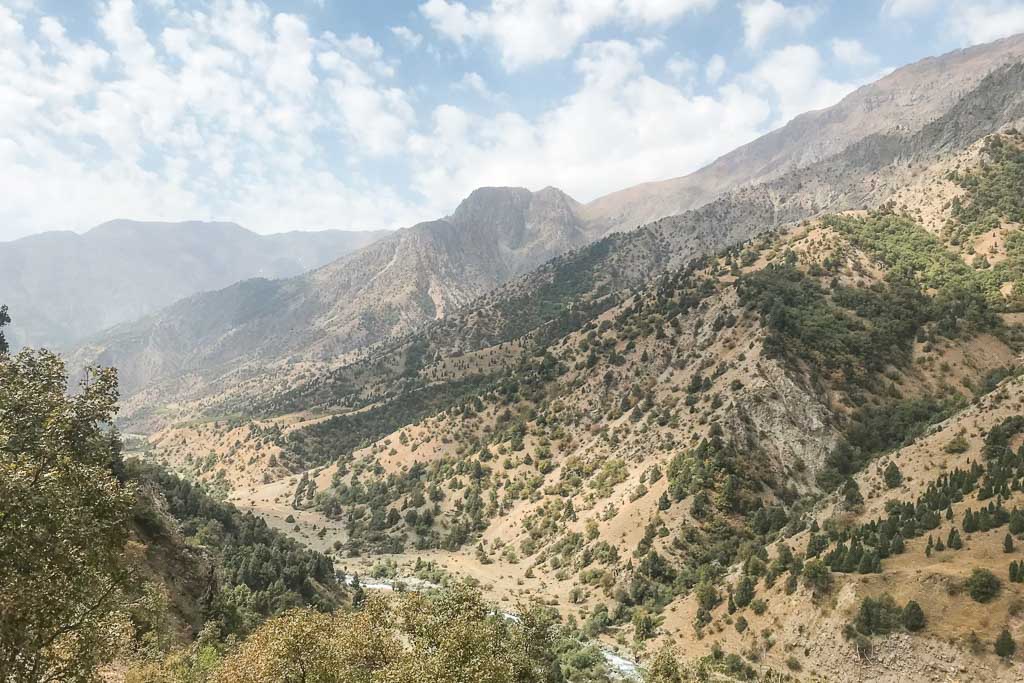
621	126
982	21
795	77
715	69
529	32
215	114
474	82
407	36
903	9
763	17
853	53
231	111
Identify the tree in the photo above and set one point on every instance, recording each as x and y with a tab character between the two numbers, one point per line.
913	617
643	624
983	585
408	638
817	577
63	521
1008	544
1005	644
744	592
664	668
892	475
851	495
4	320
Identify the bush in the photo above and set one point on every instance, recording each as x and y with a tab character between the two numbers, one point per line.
1005	644
892	475
878	616
983	585
913	617
817	577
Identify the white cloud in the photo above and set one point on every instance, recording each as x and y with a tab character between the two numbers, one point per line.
529	32
621	126
715	69
762	17
220	113
904	9
853	53
650	45
982	21
233	112
794	76
407	36
474	82
681	67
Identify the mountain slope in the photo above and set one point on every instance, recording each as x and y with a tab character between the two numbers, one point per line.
902	102
830	160
64	286
415	275
659	470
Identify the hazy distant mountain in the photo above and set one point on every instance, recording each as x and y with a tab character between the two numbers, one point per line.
63	286
413	276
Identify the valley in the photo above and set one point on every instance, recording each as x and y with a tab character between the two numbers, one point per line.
762	422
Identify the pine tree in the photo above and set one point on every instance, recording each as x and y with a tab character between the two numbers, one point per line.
970	523
897	546
1008	543
892	476
1005	644
913	617
744	592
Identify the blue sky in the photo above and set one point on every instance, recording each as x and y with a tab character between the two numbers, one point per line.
347	114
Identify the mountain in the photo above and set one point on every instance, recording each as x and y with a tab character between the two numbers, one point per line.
770	436
901	102
64	286
412	276
780	430
267	332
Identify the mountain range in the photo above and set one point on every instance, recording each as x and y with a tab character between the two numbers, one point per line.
263	328
767	415
64	286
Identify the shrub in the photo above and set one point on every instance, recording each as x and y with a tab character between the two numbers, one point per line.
892	475
913	617
1005	644
983	585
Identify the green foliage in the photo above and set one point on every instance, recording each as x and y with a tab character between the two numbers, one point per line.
913	617
878	616
875	429
262	572
451	637
892	475
995	191
1005	644
962	299
856	332
982	585
63	522
5	319
324	441
817	577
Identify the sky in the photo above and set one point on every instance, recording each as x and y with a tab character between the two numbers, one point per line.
314	114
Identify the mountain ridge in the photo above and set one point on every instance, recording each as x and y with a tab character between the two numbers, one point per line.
63	286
